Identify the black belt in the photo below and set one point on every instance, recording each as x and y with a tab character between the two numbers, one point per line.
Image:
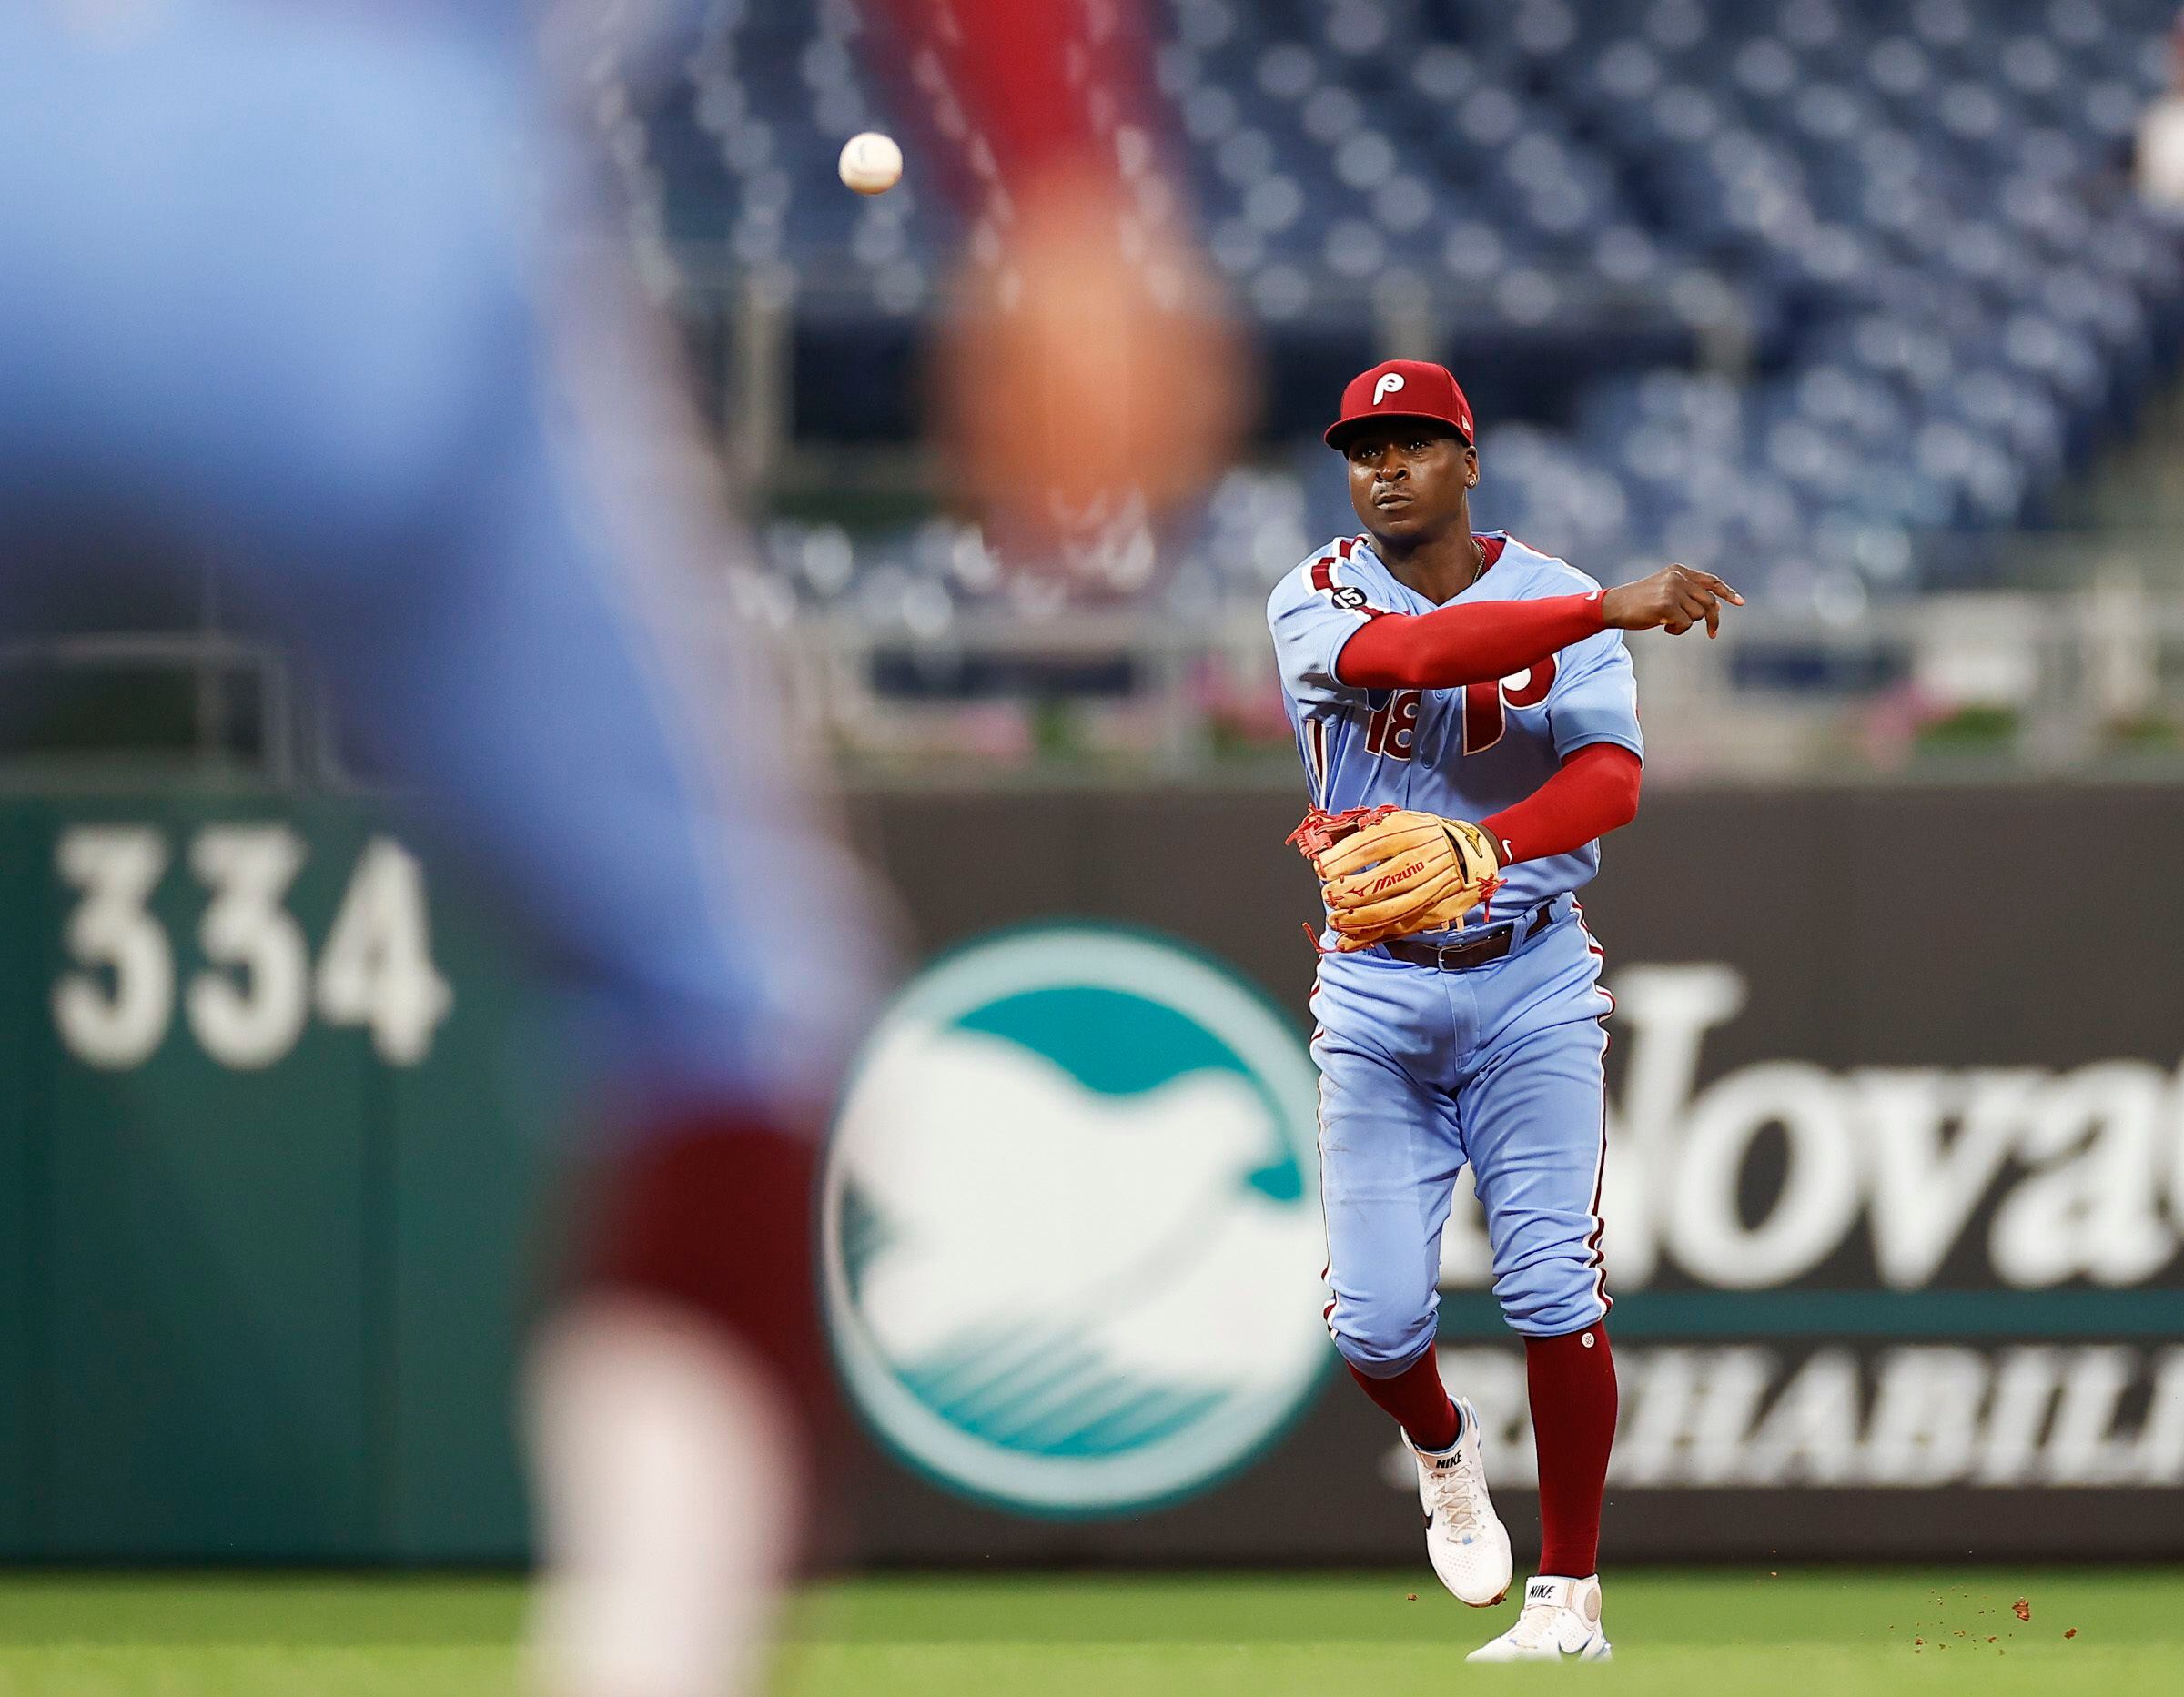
1489	945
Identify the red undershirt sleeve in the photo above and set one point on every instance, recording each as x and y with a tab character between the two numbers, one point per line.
1595	792
1474	643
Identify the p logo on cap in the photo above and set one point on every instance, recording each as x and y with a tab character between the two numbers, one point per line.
1401	389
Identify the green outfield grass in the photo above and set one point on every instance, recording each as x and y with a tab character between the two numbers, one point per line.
1688	1633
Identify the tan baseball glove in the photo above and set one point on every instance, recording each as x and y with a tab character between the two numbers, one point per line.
1393	872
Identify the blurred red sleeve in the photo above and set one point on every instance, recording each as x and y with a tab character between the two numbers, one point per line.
1043	83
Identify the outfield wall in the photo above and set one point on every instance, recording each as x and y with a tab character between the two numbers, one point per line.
1896	1183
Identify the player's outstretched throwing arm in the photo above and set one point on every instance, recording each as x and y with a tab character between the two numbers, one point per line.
1476	642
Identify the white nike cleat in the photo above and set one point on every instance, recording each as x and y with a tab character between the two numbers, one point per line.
1464	1537
1561	1623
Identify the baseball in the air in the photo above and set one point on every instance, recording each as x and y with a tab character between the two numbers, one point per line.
870	163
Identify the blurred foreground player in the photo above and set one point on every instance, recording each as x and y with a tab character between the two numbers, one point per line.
273	292
1469	725
269	297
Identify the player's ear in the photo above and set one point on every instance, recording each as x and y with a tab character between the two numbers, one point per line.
1471	466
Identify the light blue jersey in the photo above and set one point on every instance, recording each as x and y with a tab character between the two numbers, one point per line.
1427	1070
282	284
1462	754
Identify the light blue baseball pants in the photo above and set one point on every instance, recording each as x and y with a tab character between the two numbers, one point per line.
1424	1072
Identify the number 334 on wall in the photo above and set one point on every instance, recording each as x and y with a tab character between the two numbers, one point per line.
248	1005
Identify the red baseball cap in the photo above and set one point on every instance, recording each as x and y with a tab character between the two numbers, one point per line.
1402	389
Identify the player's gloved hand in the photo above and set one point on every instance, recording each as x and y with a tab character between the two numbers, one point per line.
1389	872
1675	598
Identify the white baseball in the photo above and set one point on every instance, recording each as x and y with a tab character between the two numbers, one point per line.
870	163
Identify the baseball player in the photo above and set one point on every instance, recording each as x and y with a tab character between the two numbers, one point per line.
271	294
1469	725
304	290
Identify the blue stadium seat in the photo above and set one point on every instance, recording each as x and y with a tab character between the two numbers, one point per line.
1914	217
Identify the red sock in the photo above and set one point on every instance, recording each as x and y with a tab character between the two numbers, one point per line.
717	1212
1572	1385
1415	1397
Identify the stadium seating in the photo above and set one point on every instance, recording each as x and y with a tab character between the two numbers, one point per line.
1823	292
